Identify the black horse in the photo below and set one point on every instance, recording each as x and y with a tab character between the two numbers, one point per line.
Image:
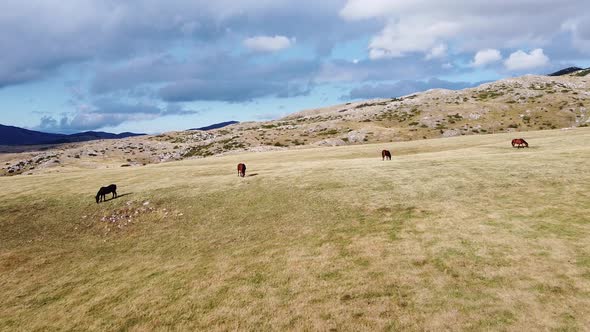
103	191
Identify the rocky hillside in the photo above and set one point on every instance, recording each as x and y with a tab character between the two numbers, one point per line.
516	104
509	105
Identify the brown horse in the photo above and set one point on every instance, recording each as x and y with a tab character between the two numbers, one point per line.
519	143
385	154
241	169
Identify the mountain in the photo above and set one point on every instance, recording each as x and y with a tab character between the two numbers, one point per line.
94	135
10	135
216	125
566	71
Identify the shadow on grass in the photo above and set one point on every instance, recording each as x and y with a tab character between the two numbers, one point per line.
118	196
253	174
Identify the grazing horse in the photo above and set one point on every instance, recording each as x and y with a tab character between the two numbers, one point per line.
103	191
519	143
241	169
385	154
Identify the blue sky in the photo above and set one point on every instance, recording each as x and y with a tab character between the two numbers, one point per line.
154	66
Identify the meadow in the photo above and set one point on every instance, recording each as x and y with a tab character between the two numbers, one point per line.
462	233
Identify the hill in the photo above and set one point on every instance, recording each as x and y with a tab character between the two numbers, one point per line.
514	105
216	125
566	71
10	135
461	233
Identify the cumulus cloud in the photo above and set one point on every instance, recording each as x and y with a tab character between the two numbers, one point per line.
268	44
400	38
485	57
469	25
98	31
520	60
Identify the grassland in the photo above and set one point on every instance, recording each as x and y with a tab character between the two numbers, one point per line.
463	233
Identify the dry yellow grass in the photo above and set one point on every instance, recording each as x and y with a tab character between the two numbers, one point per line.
462	233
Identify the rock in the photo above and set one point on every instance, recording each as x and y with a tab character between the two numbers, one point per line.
330	142
356	136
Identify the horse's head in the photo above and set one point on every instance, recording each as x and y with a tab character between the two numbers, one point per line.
99	193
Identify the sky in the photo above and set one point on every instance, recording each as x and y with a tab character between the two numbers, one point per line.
154	66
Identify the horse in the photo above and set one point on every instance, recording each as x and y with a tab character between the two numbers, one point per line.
385	154
103	191
519	142
241	169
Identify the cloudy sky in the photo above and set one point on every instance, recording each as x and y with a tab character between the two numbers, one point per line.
153	66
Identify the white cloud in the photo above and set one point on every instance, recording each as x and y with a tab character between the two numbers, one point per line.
520	60
268	44
468	25
486	57
400	38
437	52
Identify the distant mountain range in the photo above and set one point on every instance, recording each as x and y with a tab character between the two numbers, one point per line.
216	125
10	135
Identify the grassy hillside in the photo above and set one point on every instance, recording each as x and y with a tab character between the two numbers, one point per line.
456	233
527	103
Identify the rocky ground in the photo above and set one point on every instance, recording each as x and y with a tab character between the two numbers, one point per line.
510	105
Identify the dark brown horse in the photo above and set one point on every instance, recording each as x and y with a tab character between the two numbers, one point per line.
519	143
241	169
385	154
103	191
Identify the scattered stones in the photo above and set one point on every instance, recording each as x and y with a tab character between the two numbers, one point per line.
131	213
